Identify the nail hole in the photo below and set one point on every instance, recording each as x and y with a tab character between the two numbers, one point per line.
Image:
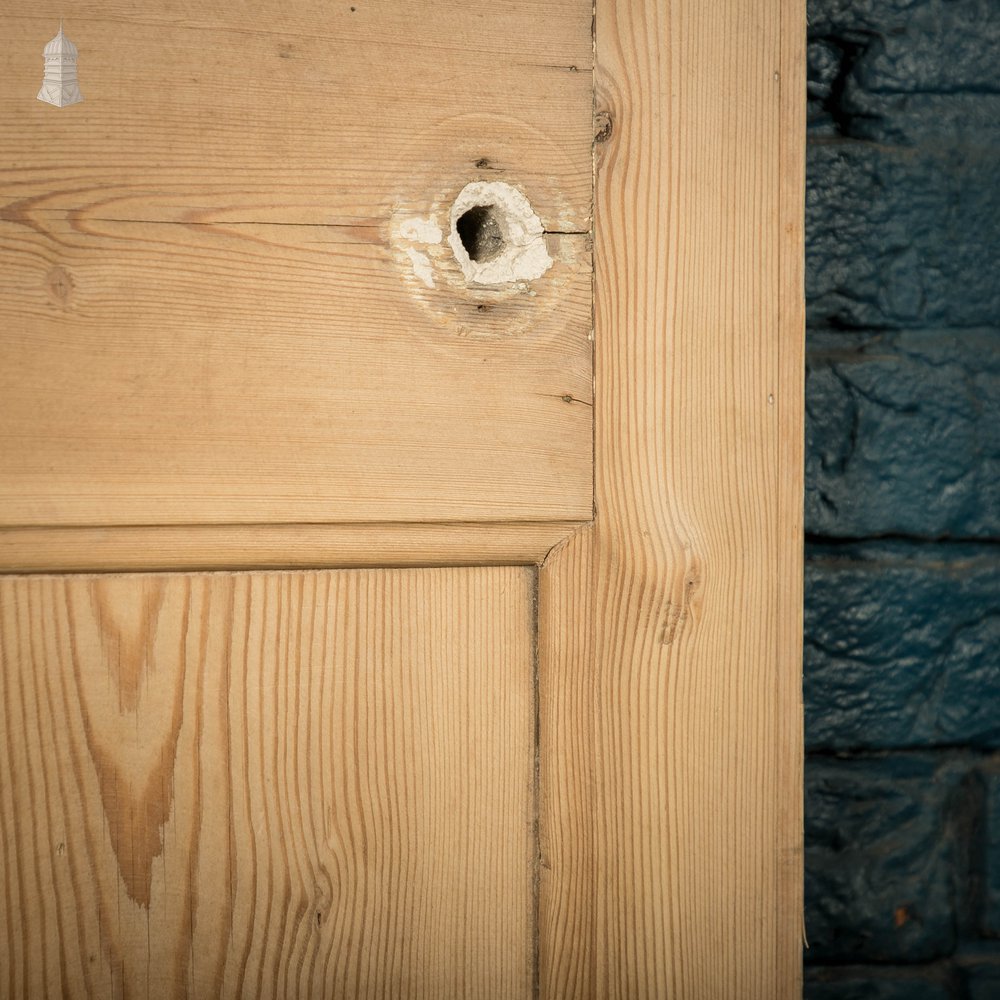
480	233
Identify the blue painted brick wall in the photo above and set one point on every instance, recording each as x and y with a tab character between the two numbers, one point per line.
901	646
902	431
902	643
882	858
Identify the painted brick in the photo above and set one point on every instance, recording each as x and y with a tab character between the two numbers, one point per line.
840	17
905	71
969	120
902	434
903	234
881	859
980	980
990	922
949	41
902	238
867	983
902	648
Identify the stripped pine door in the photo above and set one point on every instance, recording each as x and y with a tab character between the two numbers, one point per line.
268	784
400	500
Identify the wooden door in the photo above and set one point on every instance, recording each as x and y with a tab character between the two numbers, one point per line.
400	500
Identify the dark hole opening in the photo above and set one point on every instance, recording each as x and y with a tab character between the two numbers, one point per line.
480	233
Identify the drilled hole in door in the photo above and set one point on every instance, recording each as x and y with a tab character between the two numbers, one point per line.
480	232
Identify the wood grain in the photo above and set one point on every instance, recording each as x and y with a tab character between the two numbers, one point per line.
269	785
278	546
670	631
209	314
271	111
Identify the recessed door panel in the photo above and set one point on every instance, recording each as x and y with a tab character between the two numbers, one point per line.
230	290
269	785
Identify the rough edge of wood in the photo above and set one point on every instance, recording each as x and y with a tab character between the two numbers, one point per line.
277	546
790	471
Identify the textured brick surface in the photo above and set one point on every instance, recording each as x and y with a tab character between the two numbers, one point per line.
981	982
903	434
979	978
881	859
902	647
990	920
903	500
899	238
887	17
866	983
905	71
